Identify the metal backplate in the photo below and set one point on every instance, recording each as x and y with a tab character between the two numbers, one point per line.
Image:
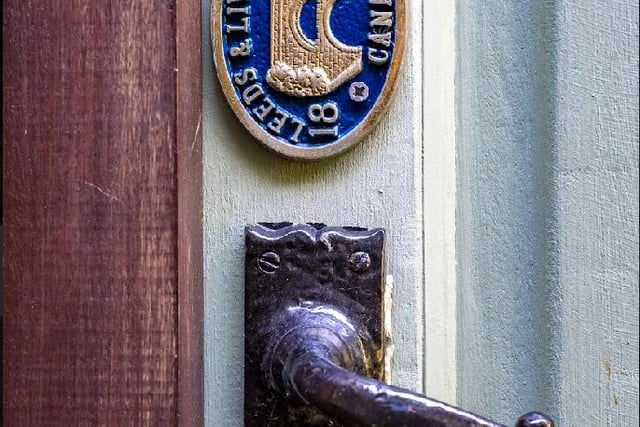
296	266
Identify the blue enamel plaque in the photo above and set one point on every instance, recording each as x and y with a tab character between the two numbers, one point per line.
308	78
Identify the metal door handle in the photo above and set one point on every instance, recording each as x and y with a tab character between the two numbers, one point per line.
313	364
313	335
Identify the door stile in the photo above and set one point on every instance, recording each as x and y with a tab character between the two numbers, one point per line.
439	199
189	176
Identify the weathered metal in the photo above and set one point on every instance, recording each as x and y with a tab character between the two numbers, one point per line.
322	276
313	335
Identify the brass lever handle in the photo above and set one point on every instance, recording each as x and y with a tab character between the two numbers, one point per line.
313	335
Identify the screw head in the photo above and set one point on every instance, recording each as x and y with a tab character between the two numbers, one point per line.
358	91
269	262
359	261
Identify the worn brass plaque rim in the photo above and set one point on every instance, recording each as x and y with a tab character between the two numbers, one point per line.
344	143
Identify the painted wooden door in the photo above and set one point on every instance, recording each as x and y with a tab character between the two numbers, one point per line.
377	184
506	176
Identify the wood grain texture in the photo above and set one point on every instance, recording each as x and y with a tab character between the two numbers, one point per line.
502	101
548	210
377	184
596	213
91	213
189	169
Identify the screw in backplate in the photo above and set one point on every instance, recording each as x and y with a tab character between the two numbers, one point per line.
269	262
359	261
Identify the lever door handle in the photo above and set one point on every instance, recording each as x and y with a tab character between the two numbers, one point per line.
314	362
313	335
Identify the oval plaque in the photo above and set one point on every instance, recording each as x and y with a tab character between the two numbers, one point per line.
308	78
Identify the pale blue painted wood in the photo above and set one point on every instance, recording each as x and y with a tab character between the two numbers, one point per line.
547	228
504	72
377	184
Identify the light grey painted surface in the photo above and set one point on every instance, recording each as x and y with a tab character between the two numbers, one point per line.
547	229
596	212
439	199
376	184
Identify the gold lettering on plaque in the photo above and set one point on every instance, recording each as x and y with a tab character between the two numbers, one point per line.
303	67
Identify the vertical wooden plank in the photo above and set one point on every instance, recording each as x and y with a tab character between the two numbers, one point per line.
90	213
503	92
596	213
439	199
377	184
189	152
548	214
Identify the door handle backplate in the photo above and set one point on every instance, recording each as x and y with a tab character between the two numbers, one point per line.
307	279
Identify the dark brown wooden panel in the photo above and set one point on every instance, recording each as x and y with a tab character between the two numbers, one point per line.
190	268
92	149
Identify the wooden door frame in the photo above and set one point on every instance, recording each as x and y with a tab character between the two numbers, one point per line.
190	211
114	330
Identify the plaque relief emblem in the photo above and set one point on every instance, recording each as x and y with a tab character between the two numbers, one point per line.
308	78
